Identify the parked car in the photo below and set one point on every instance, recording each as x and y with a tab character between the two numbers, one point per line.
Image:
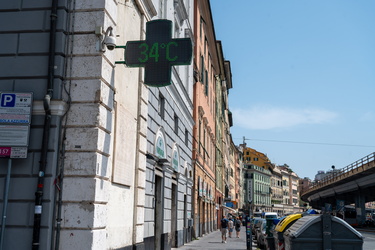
256	223
270	215
261	234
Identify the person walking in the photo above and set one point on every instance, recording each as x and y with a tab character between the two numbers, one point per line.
230	226
237	227
224	229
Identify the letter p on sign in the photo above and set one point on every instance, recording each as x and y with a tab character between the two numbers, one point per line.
8	100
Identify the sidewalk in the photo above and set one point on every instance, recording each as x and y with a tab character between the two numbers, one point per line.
213	241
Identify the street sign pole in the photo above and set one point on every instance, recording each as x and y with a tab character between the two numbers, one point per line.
249	236
5	204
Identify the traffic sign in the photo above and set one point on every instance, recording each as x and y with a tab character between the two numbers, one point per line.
15	107
158	53
15	119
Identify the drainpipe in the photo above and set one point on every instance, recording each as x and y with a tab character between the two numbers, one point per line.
46	128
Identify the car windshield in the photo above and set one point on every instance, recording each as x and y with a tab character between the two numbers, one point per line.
259	222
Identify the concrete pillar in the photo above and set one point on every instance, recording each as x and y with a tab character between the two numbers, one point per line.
360	208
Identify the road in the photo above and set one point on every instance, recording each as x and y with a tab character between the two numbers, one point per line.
213	241
369	242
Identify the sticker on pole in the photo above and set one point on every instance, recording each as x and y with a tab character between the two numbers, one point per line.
13	152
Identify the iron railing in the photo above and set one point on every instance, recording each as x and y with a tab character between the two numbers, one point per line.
356	167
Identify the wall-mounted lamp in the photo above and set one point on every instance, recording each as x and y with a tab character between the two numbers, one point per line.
154	159
108	41
162	161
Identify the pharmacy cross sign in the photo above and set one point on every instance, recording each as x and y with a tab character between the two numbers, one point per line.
158	53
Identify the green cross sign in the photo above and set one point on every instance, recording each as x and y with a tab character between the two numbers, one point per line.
158	53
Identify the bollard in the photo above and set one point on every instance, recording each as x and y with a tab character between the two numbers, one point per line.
270	241
249	238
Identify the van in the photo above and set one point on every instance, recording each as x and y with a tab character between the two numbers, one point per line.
257	214
270	215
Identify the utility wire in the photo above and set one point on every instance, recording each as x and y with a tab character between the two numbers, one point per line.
312	143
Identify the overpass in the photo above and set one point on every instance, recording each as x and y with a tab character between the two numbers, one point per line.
353	184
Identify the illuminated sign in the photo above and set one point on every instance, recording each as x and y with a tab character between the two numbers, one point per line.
158	53
160	145
175	158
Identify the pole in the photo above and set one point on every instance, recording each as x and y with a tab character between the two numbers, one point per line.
249	236
5	204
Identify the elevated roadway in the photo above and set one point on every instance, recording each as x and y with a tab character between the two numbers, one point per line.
352	184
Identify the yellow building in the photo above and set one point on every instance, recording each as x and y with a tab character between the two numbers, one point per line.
251	156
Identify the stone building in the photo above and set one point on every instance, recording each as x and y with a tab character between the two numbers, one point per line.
81	183
169	172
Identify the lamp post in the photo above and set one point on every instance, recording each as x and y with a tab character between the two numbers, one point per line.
249	240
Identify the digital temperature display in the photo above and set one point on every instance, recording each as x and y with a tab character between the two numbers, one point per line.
158	53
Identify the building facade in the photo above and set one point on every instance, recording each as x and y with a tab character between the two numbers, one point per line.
277	191
169	170
205	68
223	123
238	178
85	166
259	179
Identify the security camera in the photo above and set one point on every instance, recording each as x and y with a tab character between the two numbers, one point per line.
110	42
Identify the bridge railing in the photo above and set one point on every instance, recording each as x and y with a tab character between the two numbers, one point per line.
355	167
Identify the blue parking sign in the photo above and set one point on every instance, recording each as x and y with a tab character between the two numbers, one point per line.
8	100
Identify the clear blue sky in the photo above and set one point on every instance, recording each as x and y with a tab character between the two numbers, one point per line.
302	71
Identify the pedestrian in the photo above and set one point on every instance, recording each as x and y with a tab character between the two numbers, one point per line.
231	226
224	229
238	227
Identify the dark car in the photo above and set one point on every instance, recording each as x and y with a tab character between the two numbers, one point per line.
261	234
256	223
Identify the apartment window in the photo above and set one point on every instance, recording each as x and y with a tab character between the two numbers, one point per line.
202	69
175	124
206	82
201	28
199	135
186	137
205	45
204	143
161	107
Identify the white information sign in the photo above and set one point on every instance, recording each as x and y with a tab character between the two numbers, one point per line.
15	107
13	135
15	119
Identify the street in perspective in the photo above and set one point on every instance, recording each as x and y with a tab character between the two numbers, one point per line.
213	241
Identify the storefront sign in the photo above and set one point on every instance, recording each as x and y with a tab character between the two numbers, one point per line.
160	145
175	158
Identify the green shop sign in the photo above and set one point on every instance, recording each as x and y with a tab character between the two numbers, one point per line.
175	158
